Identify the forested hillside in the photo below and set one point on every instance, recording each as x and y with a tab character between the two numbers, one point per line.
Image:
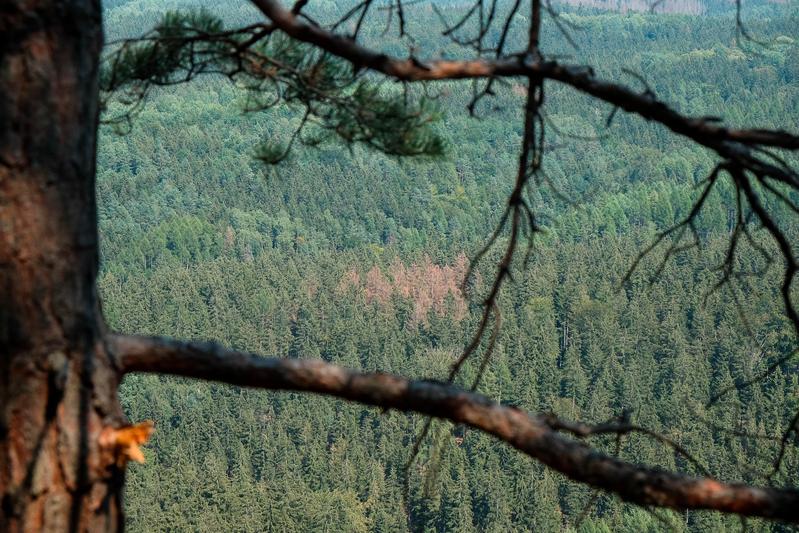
357	258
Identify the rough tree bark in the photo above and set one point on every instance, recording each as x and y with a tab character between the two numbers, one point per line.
57	385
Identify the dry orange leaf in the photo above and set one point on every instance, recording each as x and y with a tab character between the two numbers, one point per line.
125	441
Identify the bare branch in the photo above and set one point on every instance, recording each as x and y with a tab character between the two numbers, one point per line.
793	426
529	434
621	426
705	132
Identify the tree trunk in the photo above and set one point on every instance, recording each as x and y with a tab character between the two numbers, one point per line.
57	384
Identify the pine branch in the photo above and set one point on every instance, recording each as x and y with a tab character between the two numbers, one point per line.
706	131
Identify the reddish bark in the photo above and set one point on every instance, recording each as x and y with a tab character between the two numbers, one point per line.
57	385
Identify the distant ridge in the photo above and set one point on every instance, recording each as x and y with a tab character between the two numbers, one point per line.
682	7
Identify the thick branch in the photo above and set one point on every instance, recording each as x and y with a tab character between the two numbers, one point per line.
529	434
705	132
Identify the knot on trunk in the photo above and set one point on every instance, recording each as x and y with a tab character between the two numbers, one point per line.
123	443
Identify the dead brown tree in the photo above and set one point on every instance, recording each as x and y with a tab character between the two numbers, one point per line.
63	436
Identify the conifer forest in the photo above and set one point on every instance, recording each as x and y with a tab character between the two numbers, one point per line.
595	235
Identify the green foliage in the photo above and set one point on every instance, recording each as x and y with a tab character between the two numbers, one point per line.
334	100
165	55
317	257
